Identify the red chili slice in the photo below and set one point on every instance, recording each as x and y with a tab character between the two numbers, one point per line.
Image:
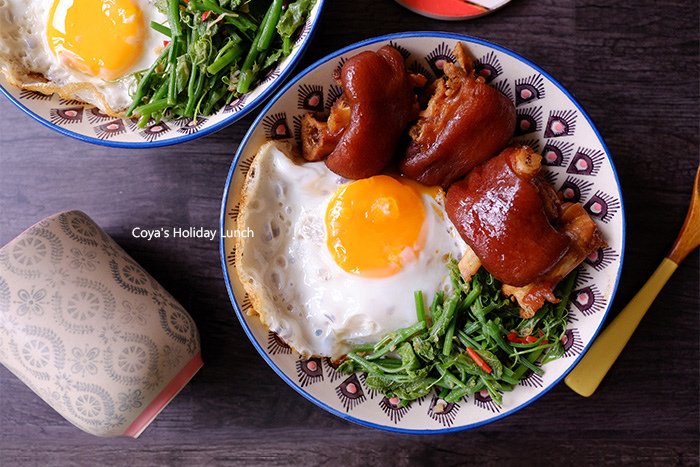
478	360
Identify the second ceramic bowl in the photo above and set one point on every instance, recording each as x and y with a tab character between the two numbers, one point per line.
87	123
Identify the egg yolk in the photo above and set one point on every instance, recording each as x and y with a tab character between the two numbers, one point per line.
101	38
374	226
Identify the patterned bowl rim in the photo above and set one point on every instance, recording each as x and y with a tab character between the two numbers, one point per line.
249	107
222	219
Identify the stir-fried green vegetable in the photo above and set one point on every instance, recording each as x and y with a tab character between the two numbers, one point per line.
468	341
217	51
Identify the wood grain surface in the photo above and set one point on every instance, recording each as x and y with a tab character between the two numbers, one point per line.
633	66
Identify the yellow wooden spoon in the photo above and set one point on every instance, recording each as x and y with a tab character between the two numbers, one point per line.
590	371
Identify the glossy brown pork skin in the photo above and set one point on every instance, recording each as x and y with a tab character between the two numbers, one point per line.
466	122
382	104
500	212
585	238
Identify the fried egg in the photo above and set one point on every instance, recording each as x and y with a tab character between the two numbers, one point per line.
86	50
333	262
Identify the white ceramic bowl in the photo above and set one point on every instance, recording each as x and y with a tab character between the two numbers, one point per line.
87	123
578	164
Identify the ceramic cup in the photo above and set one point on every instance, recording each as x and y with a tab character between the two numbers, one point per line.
88	330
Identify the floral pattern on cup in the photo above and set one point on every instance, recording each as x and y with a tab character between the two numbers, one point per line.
87	329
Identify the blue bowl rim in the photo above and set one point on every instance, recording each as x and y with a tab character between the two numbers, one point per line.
252	105
244	142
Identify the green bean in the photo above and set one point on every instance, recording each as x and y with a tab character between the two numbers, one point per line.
449	334
386	366
363	348
160	93
367	365
214	97
397	378
466	340
174	18
509	377
530	365
269	27
555	351
161	28
522	367
193	95
493	391
436	305
451	379
247	73
437	300
440	326
567	287
238	20
382	342
234	39
390	363
224	60
245	80
191	86
506	386
420	307
494	333
456	394
399	337
148	109
143	121
472	327
472	295
212	6
243	22
147	113
172	65
143	83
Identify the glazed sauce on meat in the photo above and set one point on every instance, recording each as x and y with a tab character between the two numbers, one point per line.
383	103
466	123
500	214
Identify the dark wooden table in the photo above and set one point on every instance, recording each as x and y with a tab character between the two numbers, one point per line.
633	66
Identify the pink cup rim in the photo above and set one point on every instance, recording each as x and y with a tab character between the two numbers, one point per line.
163	398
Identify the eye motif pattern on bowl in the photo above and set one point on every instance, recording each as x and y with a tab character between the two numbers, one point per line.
576	164
88	122
88	330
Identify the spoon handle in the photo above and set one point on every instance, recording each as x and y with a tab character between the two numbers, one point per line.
590	371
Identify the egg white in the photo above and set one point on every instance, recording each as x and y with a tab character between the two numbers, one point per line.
27	61
293	282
